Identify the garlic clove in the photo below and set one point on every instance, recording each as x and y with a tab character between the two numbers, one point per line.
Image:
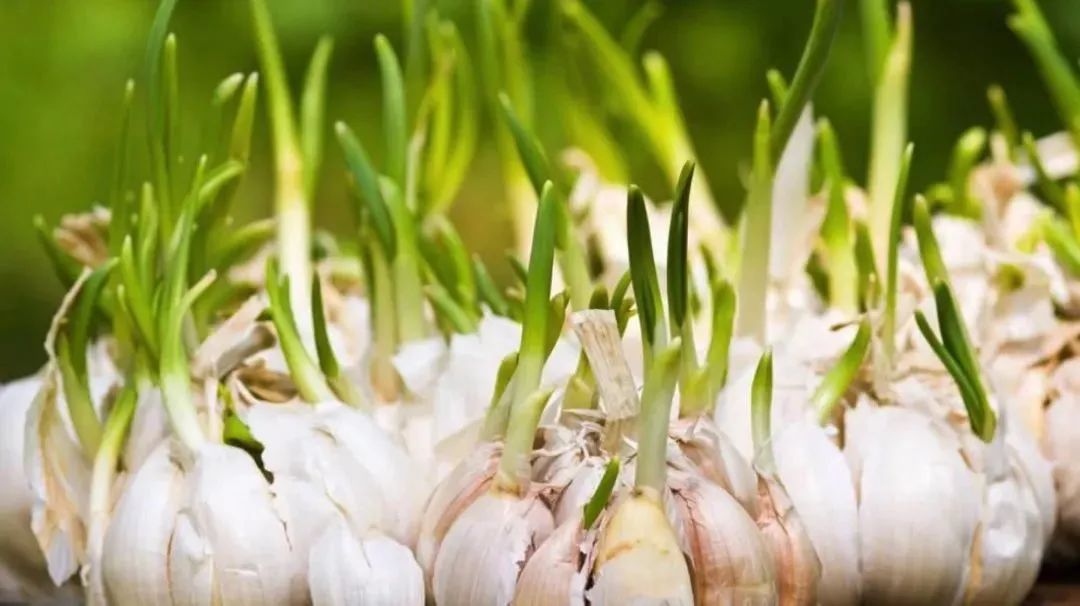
918	506
1062	445
377	571
315	482
795	561
469	480
818	481
230	544
715	456
135	555
638	559
486	548
730	562
554	574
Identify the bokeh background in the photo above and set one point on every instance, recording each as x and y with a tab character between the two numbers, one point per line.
63	64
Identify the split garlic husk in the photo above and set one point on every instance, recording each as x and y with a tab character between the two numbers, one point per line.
23	573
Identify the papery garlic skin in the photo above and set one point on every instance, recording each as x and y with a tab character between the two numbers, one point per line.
378	571
730	562
918	505
638	558
20	558
486	548
794	559
1061	444
556	573
818	481
715	456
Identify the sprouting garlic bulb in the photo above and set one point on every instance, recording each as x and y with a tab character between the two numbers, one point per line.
730	562
817	478
199	528
23	575
638	557
918	505
486	547
449	387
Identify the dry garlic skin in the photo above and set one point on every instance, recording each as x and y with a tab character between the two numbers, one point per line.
638	558
20	556
554	574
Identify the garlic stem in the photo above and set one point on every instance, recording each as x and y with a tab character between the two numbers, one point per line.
654	418
527	402
650	306
892	255
889	133
929	250
120	216
811	65
572	260
498	414
757	226
876	35
836	227
513	472
313	112
307	376
291	203
1004	121
384	324
598	501
761	411
1030	25
839	378
77	394
408	291
1051	191
108	453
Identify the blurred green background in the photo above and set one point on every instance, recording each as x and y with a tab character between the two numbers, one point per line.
63	64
